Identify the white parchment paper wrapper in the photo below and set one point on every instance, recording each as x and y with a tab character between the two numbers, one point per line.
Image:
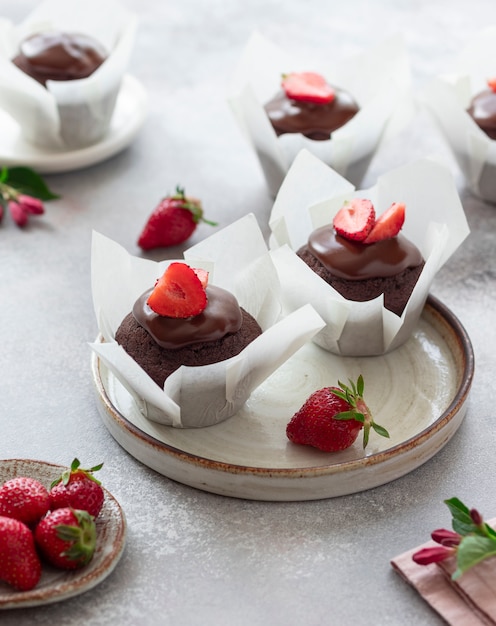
311	195
447	98
67	114
379	80
237	259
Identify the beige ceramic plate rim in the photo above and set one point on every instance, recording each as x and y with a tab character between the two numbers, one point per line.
146	442
83	579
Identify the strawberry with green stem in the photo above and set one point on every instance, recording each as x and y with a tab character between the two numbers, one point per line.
78	488
332	417
172	222
66	538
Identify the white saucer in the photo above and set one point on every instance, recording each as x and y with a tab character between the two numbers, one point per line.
129	116
418	392
55	584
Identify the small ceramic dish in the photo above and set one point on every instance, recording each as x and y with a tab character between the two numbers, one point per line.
56	585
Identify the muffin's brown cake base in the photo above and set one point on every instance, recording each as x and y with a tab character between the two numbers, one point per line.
396	289
159	363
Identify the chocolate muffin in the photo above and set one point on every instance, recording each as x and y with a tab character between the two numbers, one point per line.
314	116
362	272
59	56
160	345
482	109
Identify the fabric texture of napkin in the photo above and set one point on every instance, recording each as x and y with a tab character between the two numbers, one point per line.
468	601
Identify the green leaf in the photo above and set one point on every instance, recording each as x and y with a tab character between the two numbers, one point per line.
380	430
360	385
462	522
473	550
28	182
350	415
3	174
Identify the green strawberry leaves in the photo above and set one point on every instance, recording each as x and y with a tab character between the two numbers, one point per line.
27	181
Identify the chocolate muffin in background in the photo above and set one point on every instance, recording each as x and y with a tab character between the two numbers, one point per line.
160	345
307	104
482	109
362	257
59	56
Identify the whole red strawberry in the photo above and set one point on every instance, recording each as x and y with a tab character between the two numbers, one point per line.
24	499
20	565
79	489
332	417
66	538
173	221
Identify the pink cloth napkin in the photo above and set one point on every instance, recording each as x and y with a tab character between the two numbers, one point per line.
468	601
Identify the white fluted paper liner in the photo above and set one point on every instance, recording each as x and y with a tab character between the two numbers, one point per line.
447	98
379	80
311	195
205	395
67	114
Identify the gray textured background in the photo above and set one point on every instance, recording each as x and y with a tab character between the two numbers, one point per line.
192	557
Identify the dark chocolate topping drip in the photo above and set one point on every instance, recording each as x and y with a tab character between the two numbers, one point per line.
221	317
59	56
483	111
357	261
315	121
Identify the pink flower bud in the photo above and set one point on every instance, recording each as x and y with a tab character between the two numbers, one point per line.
446	537
31	205
476	517
18	212
425	556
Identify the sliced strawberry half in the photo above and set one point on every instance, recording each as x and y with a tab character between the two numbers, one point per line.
355	219
491	83
389	224
178	293
308	87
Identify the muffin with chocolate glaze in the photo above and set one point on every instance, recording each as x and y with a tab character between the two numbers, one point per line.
307	104
362	258
59	56
482	109
184	321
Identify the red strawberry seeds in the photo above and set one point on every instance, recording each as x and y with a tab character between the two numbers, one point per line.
79	489
172	222
179	292
355	219
332	417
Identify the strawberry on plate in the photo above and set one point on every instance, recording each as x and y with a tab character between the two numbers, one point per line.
78	488
332	417
355	219
20	565
307	87
173	221
25	499
179	292
66	538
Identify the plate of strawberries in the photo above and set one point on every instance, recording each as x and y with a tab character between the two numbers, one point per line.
61	532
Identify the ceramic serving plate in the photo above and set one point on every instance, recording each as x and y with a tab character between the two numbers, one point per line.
127	120
418	392
56	585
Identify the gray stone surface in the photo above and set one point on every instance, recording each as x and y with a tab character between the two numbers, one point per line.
195	558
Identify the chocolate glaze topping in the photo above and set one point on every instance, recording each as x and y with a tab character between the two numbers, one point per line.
483	111
315	121
221	317
358	261
59	56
